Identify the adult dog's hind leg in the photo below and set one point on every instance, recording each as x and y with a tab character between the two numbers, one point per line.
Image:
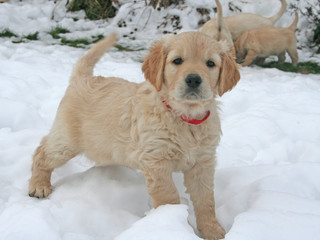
282	57
292	51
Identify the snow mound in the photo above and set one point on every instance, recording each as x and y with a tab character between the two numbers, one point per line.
166	222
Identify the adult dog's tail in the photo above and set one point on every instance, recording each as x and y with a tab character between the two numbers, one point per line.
85	65
280	13
219	20
294	24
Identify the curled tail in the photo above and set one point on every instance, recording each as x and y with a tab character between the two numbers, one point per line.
293	26
85	65
219	20
280	13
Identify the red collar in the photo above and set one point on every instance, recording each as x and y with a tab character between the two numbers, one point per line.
190	120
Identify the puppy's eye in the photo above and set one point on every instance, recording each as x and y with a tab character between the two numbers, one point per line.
210	64
178	61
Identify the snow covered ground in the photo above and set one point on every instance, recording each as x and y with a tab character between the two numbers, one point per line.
267	182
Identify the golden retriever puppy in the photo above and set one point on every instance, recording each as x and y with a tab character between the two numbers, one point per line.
270	41
166	124
242	22
218	30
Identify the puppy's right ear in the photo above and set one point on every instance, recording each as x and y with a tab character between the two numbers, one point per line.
153	66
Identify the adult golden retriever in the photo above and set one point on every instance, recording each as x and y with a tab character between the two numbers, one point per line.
168	123
242	22
269	41
218	30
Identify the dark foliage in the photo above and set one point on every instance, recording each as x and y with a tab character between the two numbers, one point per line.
95	9
303	67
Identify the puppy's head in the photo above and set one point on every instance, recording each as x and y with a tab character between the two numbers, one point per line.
190	68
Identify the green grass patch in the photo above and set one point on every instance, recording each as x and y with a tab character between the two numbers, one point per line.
127	49
55	33
78	43
97	38
302	67
7	33
19	41
32	36
81	42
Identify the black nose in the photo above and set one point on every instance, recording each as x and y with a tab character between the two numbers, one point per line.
193	80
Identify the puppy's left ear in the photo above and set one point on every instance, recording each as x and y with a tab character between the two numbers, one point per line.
153	66
229	74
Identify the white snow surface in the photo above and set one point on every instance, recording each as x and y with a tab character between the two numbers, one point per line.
267	181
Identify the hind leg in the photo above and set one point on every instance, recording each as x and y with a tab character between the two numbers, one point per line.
53	151
292	51
259	60
281	57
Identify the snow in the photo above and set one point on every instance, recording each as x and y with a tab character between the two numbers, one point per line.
165	222
267	183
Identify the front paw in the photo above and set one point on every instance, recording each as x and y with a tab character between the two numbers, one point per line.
39	189
213	231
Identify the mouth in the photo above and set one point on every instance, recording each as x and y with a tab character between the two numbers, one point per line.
192	95
195	96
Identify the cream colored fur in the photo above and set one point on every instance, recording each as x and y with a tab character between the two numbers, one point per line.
114	121
270	41
242	22
217	29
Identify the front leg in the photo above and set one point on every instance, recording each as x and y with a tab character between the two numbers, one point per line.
249	58
199	184
160	184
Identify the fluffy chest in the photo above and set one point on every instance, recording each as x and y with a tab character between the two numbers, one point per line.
181	144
